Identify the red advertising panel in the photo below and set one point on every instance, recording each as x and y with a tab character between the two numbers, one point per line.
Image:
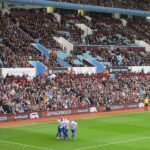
44	114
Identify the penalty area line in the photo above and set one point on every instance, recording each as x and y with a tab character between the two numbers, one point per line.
24	145
113	143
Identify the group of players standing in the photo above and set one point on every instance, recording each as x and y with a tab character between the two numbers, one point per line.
63	128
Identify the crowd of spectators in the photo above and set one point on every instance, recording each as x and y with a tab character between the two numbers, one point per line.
44	27
108	31
116	56
124	57
23	27
73	61
141	29
15	39
70	92
40	26
9	59
50	60
128	4
16	49
69	29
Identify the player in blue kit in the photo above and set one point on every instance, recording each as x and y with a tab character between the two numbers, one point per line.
61	129
66	128
58	130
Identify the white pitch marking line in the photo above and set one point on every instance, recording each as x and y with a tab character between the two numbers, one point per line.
113	143
24	145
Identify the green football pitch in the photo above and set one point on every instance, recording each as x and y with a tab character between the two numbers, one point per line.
127	131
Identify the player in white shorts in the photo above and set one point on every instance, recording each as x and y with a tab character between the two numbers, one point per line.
73	128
